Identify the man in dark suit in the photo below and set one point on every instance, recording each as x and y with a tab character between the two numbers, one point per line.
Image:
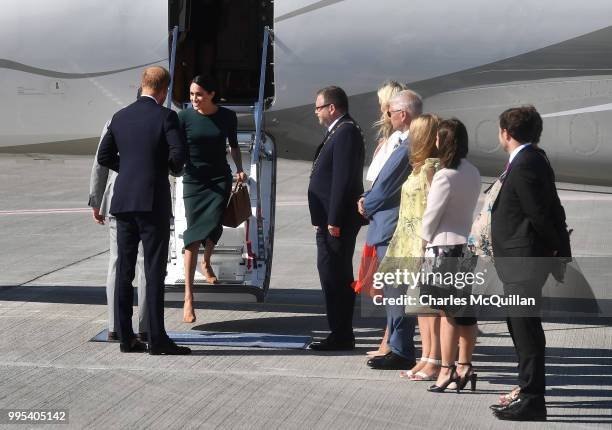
525	236
335	186
143	141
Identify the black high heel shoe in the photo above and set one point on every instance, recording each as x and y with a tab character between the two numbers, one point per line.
454	377
469	376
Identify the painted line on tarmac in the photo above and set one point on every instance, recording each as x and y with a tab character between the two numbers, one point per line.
302	203
44	211
87	210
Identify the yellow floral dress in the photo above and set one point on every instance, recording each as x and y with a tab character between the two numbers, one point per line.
405	248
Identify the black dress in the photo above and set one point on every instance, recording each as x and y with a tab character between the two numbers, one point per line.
207	181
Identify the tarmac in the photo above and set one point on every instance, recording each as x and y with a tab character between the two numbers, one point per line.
52	302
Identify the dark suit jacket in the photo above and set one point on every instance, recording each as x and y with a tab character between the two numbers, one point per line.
142	142
382	202
523	218
559	219
336	180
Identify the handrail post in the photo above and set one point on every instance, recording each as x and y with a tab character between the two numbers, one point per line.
175	32
259	105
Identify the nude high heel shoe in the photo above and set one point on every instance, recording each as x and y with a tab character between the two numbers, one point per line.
210	276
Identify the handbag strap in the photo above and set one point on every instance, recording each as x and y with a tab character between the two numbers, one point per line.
237	186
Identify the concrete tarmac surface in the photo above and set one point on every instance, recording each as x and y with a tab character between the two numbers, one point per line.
52	301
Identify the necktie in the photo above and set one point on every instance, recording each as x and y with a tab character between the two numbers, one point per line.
503	175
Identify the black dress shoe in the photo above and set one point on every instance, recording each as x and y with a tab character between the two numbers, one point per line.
143	337
497	407
391	361
523	408
330	344
134	346
169	348
112	336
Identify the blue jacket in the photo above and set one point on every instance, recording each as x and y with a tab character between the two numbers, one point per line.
141	143
382	202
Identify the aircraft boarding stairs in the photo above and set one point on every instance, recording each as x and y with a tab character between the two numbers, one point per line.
242	259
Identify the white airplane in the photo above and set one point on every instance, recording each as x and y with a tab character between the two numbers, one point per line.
66	66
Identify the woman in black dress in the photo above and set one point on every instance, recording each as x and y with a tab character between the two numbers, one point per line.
207	180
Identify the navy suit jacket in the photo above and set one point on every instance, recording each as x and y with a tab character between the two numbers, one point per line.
382	202
524	218
336	180
142	142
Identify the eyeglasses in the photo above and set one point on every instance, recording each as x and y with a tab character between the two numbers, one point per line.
318	108
389	112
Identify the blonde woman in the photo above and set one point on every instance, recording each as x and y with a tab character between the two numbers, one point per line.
405	249
386	137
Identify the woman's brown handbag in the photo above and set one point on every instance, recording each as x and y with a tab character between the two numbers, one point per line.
238	208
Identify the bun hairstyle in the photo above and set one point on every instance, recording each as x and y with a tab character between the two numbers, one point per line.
209	84
453	142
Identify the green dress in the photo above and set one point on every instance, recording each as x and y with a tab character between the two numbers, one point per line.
207	181
405	248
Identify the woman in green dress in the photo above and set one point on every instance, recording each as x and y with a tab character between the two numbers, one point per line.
207	181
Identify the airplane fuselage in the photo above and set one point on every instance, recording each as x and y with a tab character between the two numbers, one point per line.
66	66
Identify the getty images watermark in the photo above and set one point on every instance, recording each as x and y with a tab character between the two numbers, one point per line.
443	282
488	289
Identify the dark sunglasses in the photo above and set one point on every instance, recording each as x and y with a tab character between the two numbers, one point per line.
389	112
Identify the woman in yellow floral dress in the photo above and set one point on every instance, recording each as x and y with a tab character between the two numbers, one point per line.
406	247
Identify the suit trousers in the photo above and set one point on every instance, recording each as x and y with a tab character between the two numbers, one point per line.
110	281
335	266
528	336
530	344
399	325
154	232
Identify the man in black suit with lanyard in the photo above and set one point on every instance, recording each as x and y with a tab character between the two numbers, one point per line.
143	141
527	230
335	186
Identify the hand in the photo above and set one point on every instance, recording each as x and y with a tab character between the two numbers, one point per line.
98	219
241	177
333	230
360	207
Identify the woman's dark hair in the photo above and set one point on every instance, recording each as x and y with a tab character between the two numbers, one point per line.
209	84
453	142
523	123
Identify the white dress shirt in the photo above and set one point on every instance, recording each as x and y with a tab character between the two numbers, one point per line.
334	123
514	153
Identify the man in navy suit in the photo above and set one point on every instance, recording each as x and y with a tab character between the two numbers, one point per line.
527	229
143	141
381	206
335	186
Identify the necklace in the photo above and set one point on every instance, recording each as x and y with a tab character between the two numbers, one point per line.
331	133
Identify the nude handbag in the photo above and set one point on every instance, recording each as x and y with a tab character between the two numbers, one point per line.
238	207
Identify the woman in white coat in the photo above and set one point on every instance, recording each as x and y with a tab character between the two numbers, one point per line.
446	226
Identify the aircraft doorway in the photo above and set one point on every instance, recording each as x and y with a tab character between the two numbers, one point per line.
222	39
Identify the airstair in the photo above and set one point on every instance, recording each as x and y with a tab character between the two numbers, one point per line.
242	259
